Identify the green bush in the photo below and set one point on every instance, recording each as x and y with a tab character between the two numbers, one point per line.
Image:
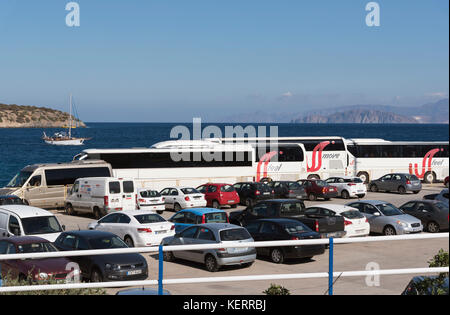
431	285
276	290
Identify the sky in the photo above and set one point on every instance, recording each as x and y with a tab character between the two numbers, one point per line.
171	60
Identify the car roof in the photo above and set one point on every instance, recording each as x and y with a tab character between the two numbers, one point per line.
282	200
219	226
371	202
201	211
334	207
134	212
89	233
19	240
24	211
278	220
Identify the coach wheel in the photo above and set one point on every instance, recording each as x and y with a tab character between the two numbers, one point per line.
429	177
314	177
364	176
266	180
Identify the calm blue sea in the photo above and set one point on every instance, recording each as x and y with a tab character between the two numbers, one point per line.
21	147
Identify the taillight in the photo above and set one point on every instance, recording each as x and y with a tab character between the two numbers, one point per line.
148	230
228	218
106	201
187	198
324	190
351	184
291	191
141	200
257	193
203	219
294	238
367	220
273	192
317	225
408	182
346	222
172	227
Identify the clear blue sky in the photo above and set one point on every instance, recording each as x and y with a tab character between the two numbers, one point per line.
170	60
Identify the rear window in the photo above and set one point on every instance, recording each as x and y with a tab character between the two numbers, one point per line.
263	187
107	242
149	218
321	183
234	235
114	188
293	185
218	217
150	194
128	187
36	248
295	228
227	188
411	177
352	214
189	191
292	208
353	180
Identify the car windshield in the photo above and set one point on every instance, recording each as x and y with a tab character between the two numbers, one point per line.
227	188
41	225
189	191
107	242
292	208
353	180
19	180
321	183
150	194
216	217
352	214
11	201
149	218
234	235
43	247
295	228
389	210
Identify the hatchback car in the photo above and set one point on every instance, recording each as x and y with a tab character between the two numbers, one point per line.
250	193
31	269
385	218
100	268
318	189
348	187
284	229
213	233
433	214
189	217
218	195
183	198
150	200
136	228
400	182
288	189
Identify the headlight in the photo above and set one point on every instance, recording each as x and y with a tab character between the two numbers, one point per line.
402	223
112	267
43	276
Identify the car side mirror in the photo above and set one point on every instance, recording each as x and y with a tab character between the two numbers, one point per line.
63	227
377	214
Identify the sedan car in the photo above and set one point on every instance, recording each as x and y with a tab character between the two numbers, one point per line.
318	189
189	217
288	189
283	230
183	198
218	195
400	182
385	218
31	269
348	187
136	228
100	268
213	233
150	200
433	214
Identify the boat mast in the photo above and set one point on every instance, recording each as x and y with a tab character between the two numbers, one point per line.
70	117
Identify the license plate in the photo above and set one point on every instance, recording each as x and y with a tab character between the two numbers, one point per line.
134	272
237	250
230	201
266	193
160	232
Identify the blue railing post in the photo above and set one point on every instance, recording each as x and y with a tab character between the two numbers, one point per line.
331	267
161	271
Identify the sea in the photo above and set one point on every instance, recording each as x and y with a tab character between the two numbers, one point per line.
22	147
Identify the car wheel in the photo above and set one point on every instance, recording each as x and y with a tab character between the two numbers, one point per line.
233	206
277	256
69	209
248	202
361	196
248	265
326	199
97	213
312	197
416	192
345	194
177	207
215	204
364	176
129	241
402	190
96	276
211	263
168	256
433	227
429	177
374	188
389	231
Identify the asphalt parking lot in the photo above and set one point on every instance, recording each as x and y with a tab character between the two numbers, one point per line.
348	257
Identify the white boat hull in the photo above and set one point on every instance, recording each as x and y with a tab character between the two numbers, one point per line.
66	142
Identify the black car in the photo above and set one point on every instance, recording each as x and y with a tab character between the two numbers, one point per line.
288	189
99	268
284	230
432	213
11	200
250	192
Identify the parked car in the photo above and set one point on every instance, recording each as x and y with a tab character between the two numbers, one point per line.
218	195
348	187
442	196
101	195
12	200
138	228
283	230
400	182
385	218
326	226
213	233
446	182
100	268
150	200
432	213
31	269
316	188
414	287
21	220
288	189
183	198
189	217
250	192
355	223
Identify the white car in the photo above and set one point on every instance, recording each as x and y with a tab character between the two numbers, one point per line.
136	227
348	186
183	198
150	200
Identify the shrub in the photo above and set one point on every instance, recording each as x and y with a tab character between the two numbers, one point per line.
276	290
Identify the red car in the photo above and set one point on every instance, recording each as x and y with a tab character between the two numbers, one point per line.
218	195
318	189
37	269
446	182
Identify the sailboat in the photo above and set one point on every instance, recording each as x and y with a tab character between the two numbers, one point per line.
63	138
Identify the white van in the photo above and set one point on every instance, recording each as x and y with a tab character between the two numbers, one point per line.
21	220
101	195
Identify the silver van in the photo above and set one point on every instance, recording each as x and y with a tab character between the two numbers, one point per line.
46	185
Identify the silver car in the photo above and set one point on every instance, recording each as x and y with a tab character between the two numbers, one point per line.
400	182
213	233
385	218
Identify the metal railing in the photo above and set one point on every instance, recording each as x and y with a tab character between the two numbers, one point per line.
331	274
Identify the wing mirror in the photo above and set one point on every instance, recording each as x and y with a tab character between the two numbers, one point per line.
377	214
